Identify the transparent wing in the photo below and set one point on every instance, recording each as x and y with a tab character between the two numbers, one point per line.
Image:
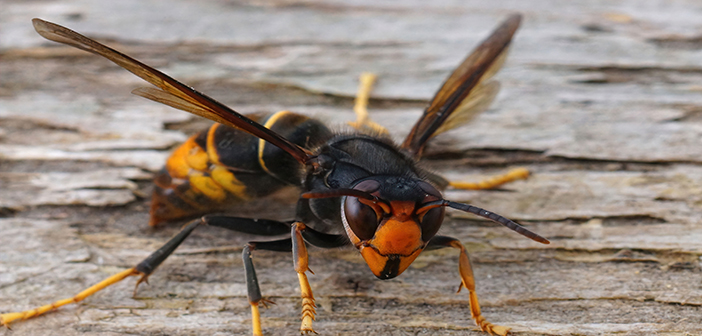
476	103
458	90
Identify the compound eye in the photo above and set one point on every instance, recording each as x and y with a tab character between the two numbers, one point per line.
362	219
431	222
432	219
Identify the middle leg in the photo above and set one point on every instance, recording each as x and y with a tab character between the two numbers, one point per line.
260	227
252	288
492	182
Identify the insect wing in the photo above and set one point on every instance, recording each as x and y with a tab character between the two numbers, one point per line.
476	103
174	94
174	101
471	74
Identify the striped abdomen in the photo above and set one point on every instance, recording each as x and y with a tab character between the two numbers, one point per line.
222	165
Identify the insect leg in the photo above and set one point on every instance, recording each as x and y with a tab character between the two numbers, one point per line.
493	182
143	269
467	281
262	227
300	234
148	265
252	288
6	319
296	244
301	266
363	122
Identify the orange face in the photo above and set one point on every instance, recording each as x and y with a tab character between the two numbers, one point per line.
389	235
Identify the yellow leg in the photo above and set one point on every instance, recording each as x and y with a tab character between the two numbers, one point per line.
256	315
256	320
308	305
363	122
493	182
301	266
467	281
6	319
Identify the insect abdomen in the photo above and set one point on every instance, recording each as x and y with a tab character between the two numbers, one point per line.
222	165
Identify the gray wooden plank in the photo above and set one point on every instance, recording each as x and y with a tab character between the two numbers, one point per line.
600	100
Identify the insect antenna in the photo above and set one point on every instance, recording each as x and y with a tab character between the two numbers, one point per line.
488	215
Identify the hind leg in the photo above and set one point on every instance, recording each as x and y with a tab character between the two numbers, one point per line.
143	269
147	266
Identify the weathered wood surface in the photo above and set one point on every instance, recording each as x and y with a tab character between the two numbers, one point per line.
601	100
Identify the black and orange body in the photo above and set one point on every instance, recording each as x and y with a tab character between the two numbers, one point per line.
222	165
356	189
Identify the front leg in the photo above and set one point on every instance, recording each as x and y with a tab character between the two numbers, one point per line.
301	266
467	281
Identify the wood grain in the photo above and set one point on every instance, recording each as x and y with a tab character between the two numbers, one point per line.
600	100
